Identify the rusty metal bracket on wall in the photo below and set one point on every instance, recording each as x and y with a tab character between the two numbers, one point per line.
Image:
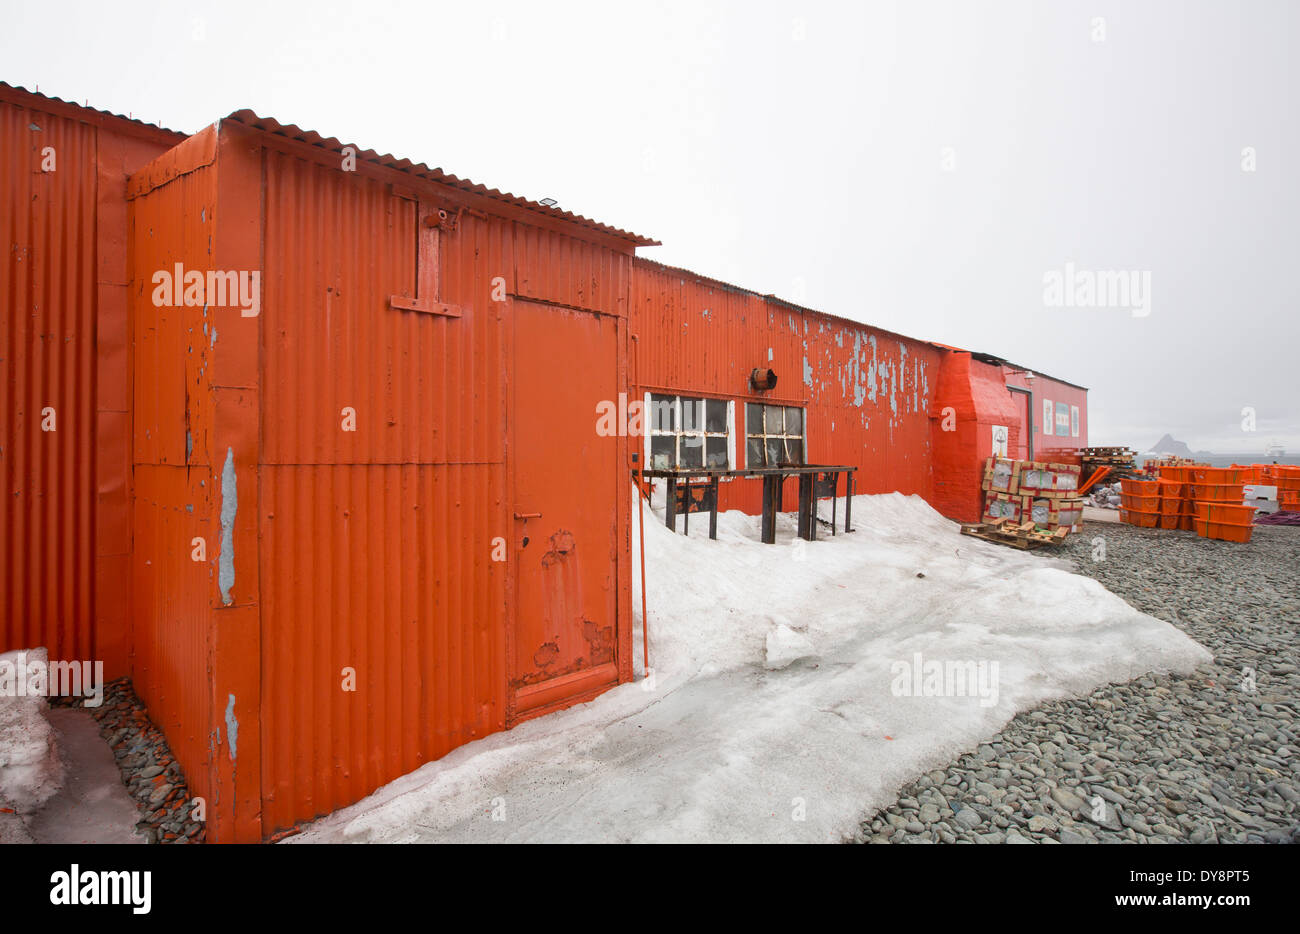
430	222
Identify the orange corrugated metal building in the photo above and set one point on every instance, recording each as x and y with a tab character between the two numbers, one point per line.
865	393
64	389
329	480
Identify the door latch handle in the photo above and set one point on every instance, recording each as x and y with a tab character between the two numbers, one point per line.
528	515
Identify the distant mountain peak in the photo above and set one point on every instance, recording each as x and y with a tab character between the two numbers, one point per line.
1170	445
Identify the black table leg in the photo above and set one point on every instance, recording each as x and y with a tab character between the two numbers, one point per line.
807	485
713	513
771	492
670	505
848	502
835	498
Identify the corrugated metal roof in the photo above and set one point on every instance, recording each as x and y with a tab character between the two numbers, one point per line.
784	303
312	138
985	357
17	92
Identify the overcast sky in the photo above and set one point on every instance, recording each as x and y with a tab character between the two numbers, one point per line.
917	166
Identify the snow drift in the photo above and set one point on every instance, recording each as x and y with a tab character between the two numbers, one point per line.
30	769
794	688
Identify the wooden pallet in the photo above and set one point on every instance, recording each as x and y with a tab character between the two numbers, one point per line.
1022	535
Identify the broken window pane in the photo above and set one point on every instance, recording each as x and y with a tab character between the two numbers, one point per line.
715	416
794	421
691	453
772	419
775	451
716	452
793	451
754	453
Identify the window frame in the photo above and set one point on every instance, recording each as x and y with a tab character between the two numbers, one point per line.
785	437
679	431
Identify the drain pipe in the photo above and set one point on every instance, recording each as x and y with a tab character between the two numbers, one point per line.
640	525
645	626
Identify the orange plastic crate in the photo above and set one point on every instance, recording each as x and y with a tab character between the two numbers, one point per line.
1169	520
1171	497
1180	474
1139	487
1217	475
1140	503
1255	473
1224	531
1146	520
1229	513
1218	492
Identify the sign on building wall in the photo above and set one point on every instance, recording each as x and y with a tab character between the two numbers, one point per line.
1074	421
1000	440
1063	419
1048	418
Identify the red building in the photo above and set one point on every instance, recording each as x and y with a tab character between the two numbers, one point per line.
306	439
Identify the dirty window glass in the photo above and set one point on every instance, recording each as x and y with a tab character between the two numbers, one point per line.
689	432
774	435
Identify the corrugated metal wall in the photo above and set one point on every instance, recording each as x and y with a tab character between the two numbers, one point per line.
366	623
868	392
64	493
344	512
175	495
47	375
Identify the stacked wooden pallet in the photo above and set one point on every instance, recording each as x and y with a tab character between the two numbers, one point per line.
1023	535
1119	460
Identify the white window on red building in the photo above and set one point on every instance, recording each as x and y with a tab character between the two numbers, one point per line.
689	432
774	435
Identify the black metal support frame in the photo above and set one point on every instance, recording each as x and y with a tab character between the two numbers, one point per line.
814	481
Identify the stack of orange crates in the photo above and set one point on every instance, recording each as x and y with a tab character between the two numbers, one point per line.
1140	503
1220	513
1186	508
1287	480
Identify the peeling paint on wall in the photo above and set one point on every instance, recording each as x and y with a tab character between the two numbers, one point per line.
229	504
232	727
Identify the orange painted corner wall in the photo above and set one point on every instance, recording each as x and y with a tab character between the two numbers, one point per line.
383	479
176	546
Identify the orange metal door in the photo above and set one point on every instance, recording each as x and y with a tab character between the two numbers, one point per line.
565	507
1024	449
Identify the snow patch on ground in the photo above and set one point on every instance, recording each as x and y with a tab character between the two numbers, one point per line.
775	710
30	768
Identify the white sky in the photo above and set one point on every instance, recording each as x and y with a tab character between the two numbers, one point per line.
796	149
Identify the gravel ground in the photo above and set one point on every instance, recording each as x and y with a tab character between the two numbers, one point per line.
149	772
1163	759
